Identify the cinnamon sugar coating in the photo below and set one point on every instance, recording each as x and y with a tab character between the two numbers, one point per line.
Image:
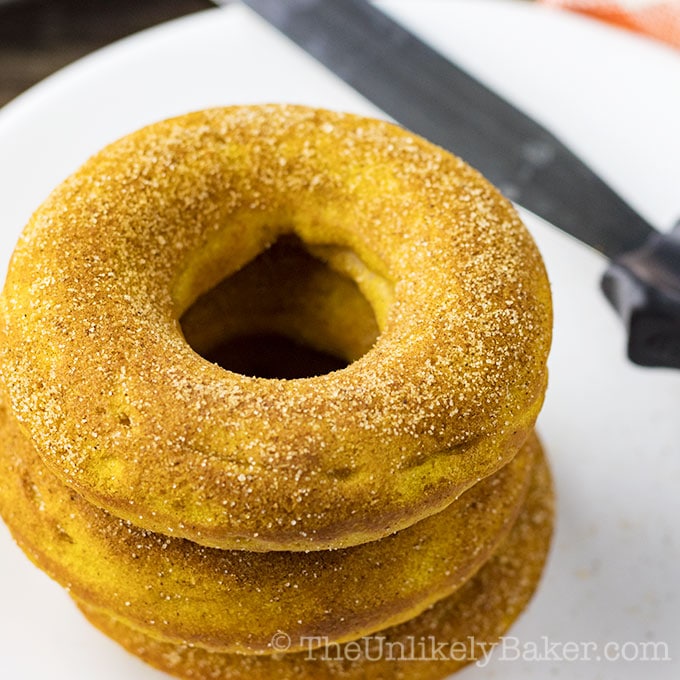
236	601
479	613
126	413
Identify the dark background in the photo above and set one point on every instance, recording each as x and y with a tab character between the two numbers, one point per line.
37	37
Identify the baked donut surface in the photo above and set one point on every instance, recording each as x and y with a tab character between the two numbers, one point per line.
456	631
236	601
125	412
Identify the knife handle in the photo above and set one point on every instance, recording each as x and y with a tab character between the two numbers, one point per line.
643	286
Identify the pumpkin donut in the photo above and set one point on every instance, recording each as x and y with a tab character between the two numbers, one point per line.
236	600
462	627
125	412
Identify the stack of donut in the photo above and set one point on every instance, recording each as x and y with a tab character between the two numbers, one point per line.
223	511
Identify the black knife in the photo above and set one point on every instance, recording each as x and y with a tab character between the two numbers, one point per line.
428	94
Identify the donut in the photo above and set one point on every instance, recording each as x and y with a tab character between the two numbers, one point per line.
125	412
462	627
236	601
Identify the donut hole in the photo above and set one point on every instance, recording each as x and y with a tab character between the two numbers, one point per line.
284	315
270	355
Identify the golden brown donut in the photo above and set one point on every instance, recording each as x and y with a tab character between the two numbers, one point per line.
125	412
237	600
481	611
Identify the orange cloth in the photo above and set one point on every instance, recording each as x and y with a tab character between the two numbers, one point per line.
657	18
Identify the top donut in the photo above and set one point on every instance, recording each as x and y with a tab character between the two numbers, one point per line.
124	411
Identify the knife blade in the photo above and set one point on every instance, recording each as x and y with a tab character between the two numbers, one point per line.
427	93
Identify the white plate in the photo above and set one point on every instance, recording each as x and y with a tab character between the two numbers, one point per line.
612	430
